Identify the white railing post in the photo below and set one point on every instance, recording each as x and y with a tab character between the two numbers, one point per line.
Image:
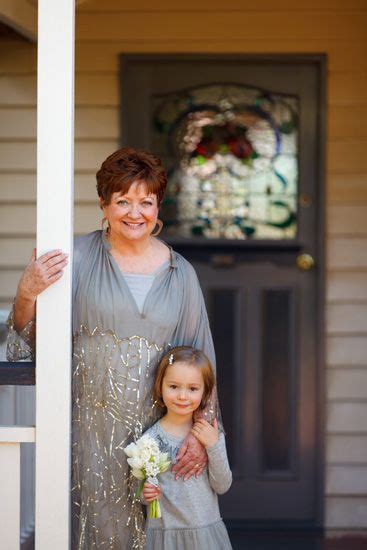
10	439
55	154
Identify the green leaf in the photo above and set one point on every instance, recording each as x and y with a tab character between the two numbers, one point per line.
140	488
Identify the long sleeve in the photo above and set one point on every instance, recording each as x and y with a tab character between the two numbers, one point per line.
220	475
20	345
193	327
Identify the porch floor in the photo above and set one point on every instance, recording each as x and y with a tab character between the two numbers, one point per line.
281	541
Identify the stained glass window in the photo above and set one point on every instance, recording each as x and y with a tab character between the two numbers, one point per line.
231	154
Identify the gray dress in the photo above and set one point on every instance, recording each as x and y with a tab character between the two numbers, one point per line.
190	512
115	354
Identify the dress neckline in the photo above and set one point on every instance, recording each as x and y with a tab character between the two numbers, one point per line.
123	283
168	435
172	259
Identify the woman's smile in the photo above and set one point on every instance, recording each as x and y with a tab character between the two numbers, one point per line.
132	215
134	225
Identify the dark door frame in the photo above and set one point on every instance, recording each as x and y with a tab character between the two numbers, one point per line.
319	60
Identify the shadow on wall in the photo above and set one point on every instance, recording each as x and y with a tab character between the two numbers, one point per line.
3	333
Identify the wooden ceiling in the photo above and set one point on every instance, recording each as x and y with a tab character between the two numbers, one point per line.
9	33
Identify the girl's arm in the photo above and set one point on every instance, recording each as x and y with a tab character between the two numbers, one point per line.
220	475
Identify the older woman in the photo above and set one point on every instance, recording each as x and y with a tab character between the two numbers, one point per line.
133	297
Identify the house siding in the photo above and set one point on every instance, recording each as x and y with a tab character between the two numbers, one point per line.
107	29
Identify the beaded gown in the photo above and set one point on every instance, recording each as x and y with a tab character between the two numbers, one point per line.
115	354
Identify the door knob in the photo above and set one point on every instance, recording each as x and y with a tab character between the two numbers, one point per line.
305	262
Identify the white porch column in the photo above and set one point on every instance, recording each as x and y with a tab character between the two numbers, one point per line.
55	154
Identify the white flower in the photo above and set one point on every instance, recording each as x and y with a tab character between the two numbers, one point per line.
164	462
152	469
136	462
144	441
147	445
145	458
132	450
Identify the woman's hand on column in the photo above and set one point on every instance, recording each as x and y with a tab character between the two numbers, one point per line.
40	274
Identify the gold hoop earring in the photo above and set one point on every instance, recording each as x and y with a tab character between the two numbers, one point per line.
102	224
160	227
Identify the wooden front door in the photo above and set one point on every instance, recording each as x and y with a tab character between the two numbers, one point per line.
260	285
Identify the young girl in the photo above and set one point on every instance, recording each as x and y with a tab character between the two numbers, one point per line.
190	512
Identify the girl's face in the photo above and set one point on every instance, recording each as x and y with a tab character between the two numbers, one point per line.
134	215
182	388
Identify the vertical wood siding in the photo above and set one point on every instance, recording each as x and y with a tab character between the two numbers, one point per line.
106	29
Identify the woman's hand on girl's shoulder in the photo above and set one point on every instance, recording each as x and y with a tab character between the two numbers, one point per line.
151	492
41	273
207	434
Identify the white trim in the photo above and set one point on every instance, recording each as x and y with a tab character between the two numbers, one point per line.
17	434
10	495
55	166
21	16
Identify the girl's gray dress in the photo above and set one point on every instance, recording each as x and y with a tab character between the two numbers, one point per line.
190	513
115	354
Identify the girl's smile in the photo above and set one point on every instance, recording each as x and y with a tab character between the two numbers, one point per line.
182	389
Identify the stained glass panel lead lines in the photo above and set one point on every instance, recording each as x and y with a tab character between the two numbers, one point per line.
231	155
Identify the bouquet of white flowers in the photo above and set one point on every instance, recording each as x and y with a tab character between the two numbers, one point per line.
147	461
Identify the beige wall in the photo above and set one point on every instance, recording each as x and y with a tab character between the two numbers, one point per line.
106	29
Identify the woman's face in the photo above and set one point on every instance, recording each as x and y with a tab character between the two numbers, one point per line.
132	215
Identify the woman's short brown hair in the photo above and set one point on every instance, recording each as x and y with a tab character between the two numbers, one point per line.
191	356
126	166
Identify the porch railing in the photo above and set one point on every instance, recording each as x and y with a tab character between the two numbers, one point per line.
17	374
17	502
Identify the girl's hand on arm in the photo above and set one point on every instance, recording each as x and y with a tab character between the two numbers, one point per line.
191	458
151	492
207	434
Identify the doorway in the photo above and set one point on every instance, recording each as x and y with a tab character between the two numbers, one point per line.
242	140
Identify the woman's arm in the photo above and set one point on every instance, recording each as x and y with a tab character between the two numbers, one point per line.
38	275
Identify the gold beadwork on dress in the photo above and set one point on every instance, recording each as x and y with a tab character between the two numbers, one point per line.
112	405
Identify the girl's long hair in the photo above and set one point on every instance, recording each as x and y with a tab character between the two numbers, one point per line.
190	356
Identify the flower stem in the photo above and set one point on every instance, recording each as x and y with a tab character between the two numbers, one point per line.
155	509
